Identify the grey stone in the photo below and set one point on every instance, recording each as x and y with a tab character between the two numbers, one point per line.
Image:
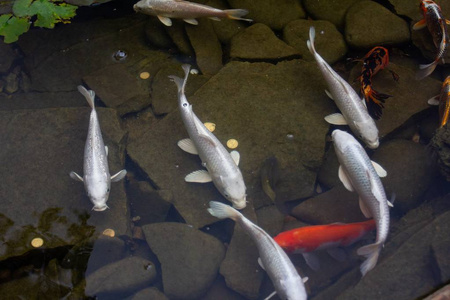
243	118
335	205
106	250
118	89
7	56
219	290
121	278
240	267
189	258
36	100
226	28
441	146
369	24
258	42
177	33
147	203
148	294
399	109
407	8
156	34
48	144
410	172
329	42
165	92
273	13
270	219
12	83
207	48
333	11
328	173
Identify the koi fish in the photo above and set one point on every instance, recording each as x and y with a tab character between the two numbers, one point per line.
222	166
437	26
320	237
443	100
96	178
354	113
358	173
288	284
374	61
188	11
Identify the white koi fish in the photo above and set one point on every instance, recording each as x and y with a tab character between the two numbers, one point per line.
354	112
288	284
188	11
222	167
358	173
96	178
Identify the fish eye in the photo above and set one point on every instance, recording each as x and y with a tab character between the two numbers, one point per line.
184	104
226	195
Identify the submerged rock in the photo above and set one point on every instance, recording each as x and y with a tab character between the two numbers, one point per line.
122	278
189	258
329	43
177	32
240	267
118	88
441	146
148	294
294	131
8	56
410	172
226	28
333	11
207	48
258	42
48	144
106	250
407	8
274	13
369	24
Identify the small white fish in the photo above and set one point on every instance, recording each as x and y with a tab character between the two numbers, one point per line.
288	284
354	112
188	11
358	173
96	178
222	166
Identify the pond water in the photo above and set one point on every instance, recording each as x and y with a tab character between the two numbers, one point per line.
262	90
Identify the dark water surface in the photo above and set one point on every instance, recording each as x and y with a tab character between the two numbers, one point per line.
259	85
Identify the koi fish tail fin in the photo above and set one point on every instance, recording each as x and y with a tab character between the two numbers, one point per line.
310	42
371	252
374	101
426	70
89	95
181	83
237	14
223	211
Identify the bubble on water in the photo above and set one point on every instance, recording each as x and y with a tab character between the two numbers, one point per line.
120	55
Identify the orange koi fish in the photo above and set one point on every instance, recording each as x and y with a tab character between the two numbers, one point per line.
437	26
319	237
443	100
374	61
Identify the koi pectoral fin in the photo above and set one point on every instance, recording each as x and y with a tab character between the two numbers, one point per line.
434	100
75	176
312	261
188	146
365	210
421	24
166	21
200	176
118	176
336	119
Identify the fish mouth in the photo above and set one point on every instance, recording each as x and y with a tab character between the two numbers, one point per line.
373	145
240	204
100	208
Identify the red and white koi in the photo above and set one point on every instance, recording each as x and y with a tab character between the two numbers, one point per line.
329	237
437	26
443	100
374	61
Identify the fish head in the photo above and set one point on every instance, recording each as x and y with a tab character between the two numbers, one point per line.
234	191
142	6
368	132
99	196
292	288
340	139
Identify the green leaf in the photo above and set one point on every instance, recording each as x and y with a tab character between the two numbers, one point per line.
4	19
13	28
21	8
49	13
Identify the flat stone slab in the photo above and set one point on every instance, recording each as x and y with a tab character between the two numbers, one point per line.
39	150
278	111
